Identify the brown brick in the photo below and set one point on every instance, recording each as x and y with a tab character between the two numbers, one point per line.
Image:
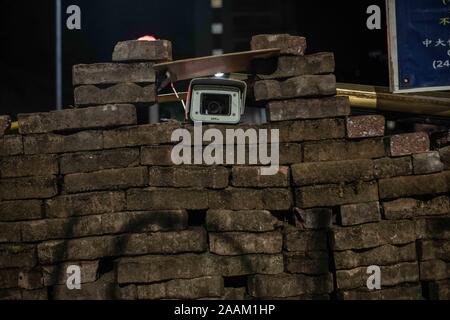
83	162
335	195
112	73
373	235
252	177
293	66
393	167
407	272
91	291
380	256
106	179
206	287
433	228
10	232
444	155
140	135
415	185
343	150
434	250
21	210
409	143
57	274
9	278
17	256
410	208
157	156
290	153
439	290
30	280
409	292
332	172
23	166
249	221
55	143
196	177
172	198
310	263
328	107
238	243
296	240
287	285
434	270
118	93
133	50
39	187
5	122
85	204
251	199
429	162
291	45
365	126
315	218
310	130
76	119
354	214
234	266
11	145
301	86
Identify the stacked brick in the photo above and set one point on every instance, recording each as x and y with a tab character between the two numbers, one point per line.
89	188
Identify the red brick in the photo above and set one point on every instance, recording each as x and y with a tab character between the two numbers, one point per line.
365	126
409	143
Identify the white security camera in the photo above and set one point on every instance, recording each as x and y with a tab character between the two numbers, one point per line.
216	100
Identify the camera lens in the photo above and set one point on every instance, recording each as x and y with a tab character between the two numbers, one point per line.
215	104
214	108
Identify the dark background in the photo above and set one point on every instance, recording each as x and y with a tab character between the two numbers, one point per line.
28	38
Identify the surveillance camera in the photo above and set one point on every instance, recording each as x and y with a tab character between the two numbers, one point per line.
216	100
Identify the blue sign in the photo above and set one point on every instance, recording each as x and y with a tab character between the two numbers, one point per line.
419	33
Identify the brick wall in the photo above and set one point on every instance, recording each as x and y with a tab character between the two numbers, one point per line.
89	187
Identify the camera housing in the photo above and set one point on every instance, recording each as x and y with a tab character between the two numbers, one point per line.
216	100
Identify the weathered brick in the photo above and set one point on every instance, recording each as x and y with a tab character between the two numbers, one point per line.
373	235
91	291
9	278
17	256
310	263
433	228
407	272
196	177
288	44
206	287
287	285
5	122
444	155
118	93
328	107
233	266
434	270
296	240
332	172
415	185
11	145
82	162
57	274
252	177
235	294
409	143
297	87
251	199
380	256
75	119
85	204
439	290
236	243
290	153
310	130
23	166
38	187
410	208
24	295
157	156
21	210
429	162
354	214
30	280
343	150
243	221
55	143
315	218
292	66
393	167
434	250
335	195
154	268
172	198
152	134
112	73
106	179
132	50
406	292
10	232
365	126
